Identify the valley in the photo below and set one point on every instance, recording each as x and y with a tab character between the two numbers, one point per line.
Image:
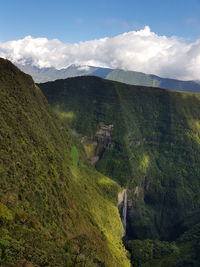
57	205
99	133
154	154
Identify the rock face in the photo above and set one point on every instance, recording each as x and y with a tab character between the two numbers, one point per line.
96	145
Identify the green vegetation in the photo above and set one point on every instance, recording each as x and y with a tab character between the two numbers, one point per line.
156	152
182	253
55	208
152	253
142	79
74	156
90	148
92	102
54	205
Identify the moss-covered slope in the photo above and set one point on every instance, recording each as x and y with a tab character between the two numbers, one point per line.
156	152
55	209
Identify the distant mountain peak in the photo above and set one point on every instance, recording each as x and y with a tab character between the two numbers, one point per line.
79	67
129	77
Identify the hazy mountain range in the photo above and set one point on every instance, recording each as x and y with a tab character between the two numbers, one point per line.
130	77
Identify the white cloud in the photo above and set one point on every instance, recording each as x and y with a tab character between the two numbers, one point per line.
83	68
141	50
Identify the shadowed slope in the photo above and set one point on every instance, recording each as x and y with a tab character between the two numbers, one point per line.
156	149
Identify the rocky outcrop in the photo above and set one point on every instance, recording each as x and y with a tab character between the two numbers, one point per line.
96	145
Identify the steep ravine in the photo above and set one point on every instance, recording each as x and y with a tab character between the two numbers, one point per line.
156	149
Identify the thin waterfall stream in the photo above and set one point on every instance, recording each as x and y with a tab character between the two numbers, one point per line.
124	211
122	207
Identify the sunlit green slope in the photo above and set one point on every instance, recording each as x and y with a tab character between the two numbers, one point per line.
55	209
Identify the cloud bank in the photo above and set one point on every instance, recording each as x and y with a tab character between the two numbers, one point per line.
141	50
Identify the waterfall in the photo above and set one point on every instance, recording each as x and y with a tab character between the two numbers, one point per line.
122	206
124	211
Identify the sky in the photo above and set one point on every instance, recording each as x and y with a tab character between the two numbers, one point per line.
81	20
128	34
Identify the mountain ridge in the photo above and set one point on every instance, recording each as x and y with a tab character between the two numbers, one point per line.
128	77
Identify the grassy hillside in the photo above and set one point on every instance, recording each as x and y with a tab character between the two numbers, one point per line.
55	209
156	148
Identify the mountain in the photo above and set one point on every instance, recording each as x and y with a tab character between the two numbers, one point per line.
129	77
139	78
55	208
51	74
148	140
59	209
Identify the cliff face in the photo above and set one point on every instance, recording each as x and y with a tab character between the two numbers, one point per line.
54	206
156	149
95	146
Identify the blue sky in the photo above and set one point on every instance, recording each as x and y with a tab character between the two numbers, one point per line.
81	20
151	36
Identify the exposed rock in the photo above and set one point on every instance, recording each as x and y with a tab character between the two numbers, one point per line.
137	191
98	143
94	160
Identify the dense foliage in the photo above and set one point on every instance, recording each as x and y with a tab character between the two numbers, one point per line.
156	149
54	206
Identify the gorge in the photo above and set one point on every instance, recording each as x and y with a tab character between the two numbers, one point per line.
57	205
154	155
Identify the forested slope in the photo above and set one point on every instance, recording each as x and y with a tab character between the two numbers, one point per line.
55	208
154	151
